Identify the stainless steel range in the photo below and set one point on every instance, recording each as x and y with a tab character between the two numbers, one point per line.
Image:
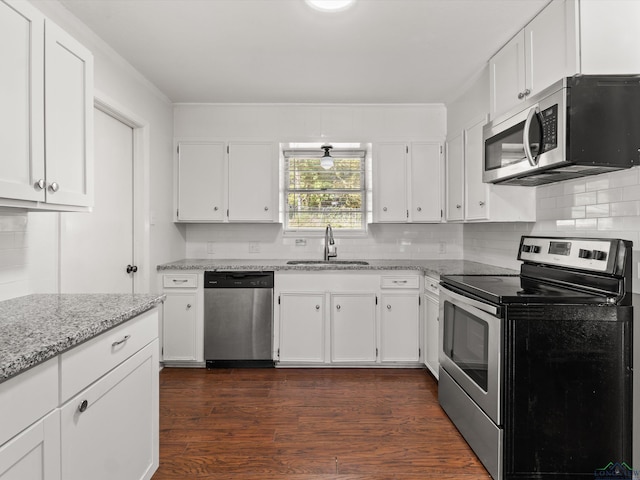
536	369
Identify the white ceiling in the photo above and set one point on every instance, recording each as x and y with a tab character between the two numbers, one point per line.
283	51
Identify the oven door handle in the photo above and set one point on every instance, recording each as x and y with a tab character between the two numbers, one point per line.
485	307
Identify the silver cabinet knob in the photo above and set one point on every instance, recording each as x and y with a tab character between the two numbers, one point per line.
337	307
188	306
419	209
215	209
40	184
266	209
54	187
458	206
83	406
481	203
520	95
384	209
317	307
388	307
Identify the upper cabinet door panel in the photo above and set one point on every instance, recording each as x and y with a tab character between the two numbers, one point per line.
201	182
252	176
507	75
68	119
390	176
22	101
425	182
455	178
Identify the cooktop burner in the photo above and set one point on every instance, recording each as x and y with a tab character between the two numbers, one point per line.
515	289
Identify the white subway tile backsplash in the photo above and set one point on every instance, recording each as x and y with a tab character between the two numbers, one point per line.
600	210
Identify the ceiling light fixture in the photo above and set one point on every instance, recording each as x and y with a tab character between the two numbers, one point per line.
330	5
326	161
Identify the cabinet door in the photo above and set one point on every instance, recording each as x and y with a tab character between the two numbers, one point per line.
476	192
179	327
68	119
252	189
353	327
550	46
431	338
390	177
22	100
34	454
400	324
455	178
201	182
302	327
507	76
425	182
115	433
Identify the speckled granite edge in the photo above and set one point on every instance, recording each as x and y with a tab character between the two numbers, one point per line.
433	268
35	328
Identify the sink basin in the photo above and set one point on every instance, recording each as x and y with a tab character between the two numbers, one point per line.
326	262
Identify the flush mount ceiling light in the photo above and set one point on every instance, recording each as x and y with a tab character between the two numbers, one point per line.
326	161
330	5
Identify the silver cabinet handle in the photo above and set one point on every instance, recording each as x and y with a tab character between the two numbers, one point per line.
317	307
120	342
400	281
54	187
83	406
182	280
40	184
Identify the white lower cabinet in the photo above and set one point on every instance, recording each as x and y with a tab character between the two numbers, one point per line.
182	319
353	327
34	454
302	327
400	325
431	325
110	429
340	318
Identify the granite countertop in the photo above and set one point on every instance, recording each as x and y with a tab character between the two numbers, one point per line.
36	328
430	267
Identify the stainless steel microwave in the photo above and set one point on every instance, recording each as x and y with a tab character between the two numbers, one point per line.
581	125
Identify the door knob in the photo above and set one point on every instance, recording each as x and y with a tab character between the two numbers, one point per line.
132	268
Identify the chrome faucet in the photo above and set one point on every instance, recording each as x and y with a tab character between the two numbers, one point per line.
330	248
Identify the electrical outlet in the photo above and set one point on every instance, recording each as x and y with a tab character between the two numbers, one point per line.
301	242
442	247
254	247
211	247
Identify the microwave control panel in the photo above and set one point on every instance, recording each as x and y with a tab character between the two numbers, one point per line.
549	121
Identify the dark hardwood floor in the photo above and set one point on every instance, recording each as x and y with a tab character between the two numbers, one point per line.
308	424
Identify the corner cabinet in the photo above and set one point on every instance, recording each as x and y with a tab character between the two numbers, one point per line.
47	113
564	39
468	198
226	182
407	181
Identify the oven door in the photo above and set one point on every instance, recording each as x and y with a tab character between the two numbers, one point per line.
471	347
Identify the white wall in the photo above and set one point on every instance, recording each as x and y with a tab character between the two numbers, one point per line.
31	264
309	123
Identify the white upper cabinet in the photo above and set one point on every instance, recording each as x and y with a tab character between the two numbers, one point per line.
455	178
566	38
407	182
47	93
22	100
219	182
253	182
201	184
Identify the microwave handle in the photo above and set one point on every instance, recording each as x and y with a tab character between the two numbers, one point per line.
525	136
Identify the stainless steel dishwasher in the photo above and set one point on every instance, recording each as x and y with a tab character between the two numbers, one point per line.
238	319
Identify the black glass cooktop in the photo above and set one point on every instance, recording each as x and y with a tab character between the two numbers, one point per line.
514	289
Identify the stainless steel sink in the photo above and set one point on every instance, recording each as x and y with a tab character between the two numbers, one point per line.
326	262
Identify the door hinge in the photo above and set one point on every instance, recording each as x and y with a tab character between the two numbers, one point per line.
441	214
227	149
278	354
376	299
440	149
278	299
227	213
419	352
406	148
178	213
407	213
178	149
419	300
376	352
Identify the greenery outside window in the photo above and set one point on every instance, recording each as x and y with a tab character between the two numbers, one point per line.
315	197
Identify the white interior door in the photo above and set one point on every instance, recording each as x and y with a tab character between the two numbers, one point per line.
97	247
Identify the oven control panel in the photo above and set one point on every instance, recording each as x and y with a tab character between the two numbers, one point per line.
579	253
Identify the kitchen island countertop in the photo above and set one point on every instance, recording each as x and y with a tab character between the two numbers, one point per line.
433	268
35	328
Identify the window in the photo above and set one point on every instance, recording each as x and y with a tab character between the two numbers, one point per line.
315	197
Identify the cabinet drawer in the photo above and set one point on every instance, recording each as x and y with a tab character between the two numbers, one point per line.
89	361
184	280
399	281
28	397
432	285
